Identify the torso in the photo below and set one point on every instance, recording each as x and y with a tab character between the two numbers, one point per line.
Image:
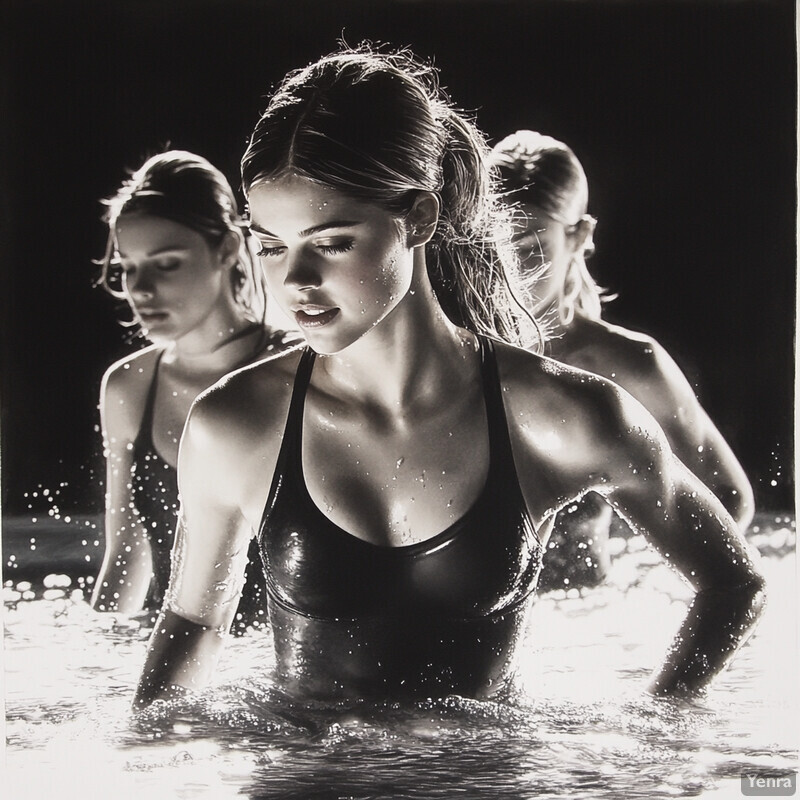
163	397
335	633
379	605
391	495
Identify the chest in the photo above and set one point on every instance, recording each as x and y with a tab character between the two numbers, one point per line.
171	404
400	482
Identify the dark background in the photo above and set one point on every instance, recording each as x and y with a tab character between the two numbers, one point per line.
683	114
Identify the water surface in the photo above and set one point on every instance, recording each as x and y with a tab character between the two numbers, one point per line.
577	725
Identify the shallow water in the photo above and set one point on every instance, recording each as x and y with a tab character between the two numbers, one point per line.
577	726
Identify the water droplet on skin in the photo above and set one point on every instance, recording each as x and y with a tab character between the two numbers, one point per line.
399	461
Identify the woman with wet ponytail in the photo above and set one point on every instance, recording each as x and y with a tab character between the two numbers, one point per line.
545	187
401	473
394	135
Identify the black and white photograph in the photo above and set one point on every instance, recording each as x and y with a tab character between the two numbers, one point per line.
397	399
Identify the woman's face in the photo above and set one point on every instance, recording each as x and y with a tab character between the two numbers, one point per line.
337	266
545	249
171	275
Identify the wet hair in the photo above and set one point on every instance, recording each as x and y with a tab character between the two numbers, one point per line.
540	170
187	189
376	127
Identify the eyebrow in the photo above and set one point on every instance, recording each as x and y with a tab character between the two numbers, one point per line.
337	223
160	252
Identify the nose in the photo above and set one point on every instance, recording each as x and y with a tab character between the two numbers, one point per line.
139	284
302	273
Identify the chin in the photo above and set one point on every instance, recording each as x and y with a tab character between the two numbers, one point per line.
330	345
159	334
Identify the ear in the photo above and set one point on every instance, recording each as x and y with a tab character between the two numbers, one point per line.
422	219
228	249
582	233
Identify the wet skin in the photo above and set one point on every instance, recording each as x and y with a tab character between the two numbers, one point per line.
395	395
634	361
179	289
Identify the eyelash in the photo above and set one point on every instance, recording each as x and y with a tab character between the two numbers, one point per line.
327	249
266	252
333	249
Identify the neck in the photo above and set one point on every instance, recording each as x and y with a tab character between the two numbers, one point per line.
223	339
565	338
414	355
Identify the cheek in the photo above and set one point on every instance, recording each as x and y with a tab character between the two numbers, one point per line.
197	288
397	266
393	280
273	278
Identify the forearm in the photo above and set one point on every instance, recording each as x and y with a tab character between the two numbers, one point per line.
738	502
717	623
121	585
716	465
181	654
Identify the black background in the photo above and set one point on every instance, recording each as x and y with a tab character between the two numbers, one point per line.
683	114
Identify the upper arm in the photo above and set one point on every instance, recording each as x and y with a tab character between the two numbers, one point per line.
212	538
662	388
657	382
678	514
574	432
120	410
227	456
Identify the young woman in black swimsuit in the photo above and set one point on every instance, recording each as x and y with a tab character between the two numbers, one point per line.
402	473
546	188
177	254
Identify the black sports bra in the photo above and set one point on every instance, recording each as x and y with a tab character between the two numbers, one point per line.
442	616
154	484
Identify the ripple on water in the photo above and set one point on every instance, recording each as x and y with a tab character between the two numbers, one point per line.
578	725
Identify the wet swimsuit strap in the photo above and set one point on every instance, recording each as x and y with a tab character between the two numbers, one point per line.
144	436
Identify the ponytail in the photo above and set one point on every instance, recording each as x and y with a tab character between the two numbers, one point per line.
471	263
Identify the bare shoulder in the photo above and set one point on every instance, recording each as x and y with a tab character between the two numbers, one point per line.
124	391
633	359
239	421
571	431
553	390
250	396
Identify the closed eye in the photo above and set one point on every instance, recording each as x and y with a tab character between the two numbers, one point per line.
168	266
333	249
337	247
267	252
